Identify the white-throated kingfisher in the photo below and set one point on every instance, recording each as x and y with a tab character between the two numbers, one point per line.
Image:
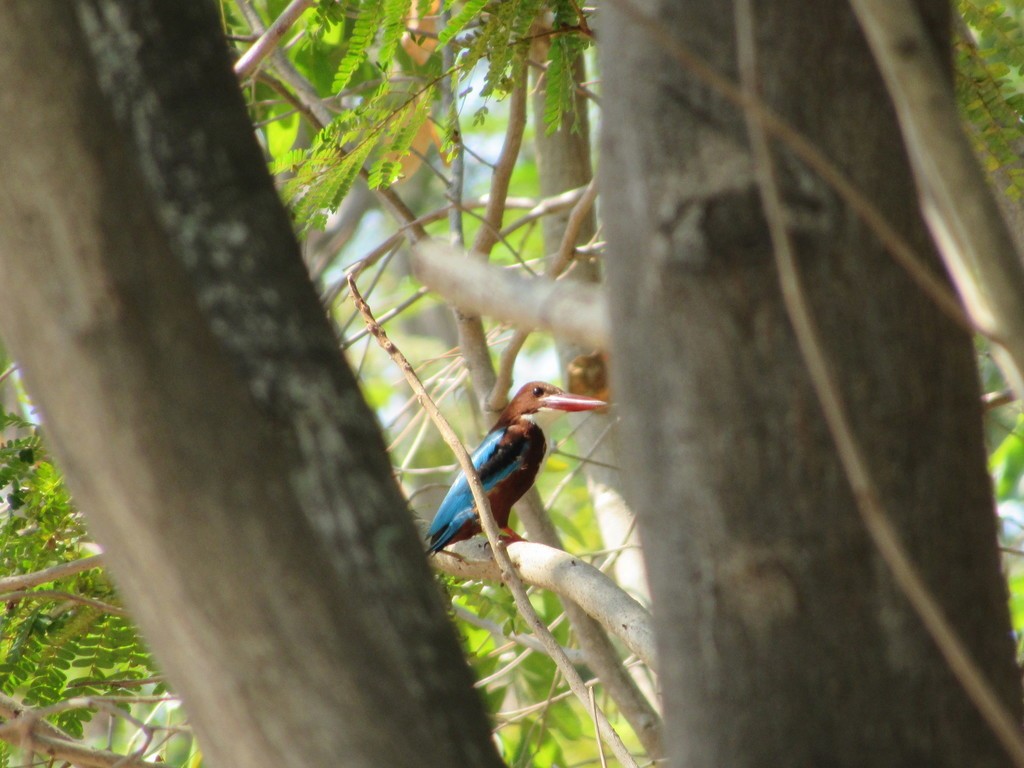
507	461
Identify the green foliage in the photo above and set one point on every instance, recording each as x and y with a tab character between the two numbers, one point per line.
989	65
458	22
367	22
55	647
360	60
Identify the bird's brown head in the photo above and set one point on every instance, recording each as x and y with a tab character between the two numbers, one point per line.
539	397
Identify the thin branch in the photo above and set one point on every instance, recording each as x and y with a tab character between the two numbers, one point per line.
488	234
267	42
567	248
601	655
56	594
992	400
313	108
45	576
578	217
573	311
549	205
536	209
567	576
41	737
450	109
508	572
527	641
869	503
472	338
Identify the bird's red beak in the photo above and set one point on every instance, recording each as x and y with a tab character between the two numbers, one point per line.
568	402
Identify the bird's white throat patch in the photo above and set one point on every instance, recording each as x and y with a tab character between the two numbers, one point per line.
544	418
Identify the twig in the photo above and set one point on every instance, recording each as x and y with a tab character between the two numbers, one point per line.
313	108
509	575
527	641
546	207
43	738
268	41
45	576
873	512
602	657
578	217
992	400
472	339
488	234
392	313
450	109
56	594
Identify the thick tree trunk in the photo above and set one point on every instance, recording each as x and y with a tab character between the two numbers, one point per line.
782	637
208	426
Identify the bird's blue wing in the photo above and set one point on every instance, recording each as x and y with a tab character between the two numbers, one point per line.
493	462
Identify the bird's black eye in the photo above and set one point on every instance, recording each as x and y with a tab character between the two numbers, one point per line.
538	391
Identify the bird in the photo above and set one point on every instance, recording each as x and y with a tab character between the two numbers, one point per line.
507	461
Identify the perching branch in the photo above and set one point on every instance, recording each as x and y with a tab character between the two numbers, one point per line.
507	570
575	312
567	576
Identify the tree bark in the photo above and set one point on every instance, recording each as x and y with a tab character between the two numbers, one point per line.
782	638
156	300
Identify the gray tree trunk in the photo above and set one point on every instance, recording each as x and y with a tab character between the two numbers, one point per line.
782	637
153	293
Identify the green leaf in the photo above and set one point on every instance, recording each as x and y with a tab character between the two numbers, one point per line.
459	21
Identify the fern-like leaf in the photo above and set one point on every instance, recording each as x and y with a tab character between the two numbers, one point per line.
459	21
363	32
